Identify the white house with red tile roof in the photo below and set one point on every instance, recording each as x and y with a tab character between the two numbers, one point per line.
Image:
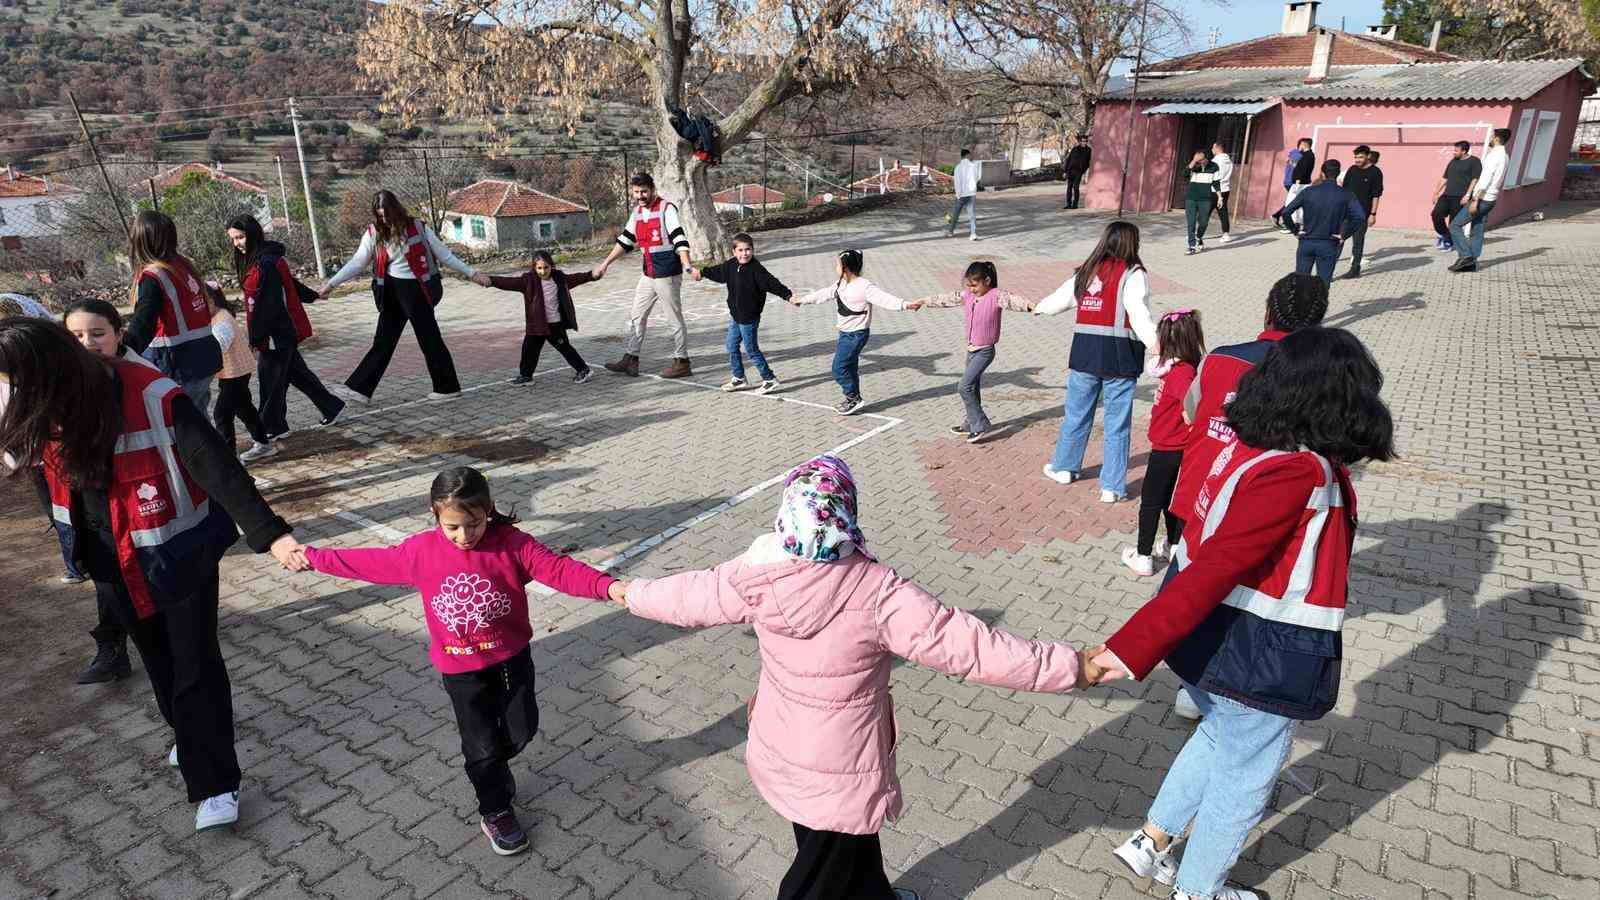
33	206
902	177
260	202
497	214
743	198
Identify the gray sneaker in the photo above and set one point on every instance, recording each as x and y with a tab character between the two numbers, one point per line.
849	406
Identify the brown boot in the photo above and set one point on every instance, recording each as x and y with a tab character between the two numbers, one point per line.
627	365
678	369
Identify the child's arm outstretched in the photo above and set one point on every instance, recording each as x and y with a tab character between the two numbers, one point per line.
936	301
1015	302
563	573
374	565
771	285
820	295
574	279
506	282
914	625
691	599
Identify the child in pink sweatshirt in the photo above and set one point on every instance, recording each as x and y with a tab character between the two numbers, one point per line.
830	620
471	571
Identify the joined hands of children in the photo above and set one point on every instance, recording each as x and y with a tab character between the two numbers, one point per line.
290	554
618	593
694	273
482	280
1091	672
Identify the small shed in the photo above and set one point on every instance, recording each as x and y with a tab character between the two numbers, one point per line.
901	177
33	207
495	214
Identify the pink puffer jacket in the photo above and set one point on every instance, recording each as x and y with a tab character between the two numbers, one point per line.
822	732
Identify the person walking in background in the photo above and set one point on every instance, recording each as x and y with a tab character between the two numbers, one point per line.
406	285
1364	181
1224	164
1200	198
1478	203
967	175
1297	177
171	321
748	283
1074	167
1331	214
1460	174
1110	293
657	230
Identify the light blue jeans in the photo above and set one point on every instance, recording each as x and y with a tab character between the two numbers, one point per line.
1470	244
970	204
1220	783
746	335
1083	395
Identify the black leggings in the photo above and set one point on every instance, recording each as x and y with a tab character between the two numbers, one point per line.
557	338
830	865
404	301
1444	209
1160	478
233	401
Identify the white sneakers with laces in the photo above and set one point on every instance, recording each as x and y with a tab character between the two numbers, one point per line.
1139	854
1108	496
217	812
1142	566
1059	476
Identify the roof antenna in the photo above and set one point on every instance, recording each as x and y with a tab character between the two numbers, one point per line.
1213	38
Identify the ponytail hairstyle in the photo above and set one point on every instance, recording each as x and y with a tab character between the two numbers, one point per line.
983	271
464	487
851	261
1179	336
1296	301
1120	241
244	261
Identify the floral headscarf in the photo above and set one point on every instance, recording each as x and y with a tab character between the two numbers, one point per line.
817	517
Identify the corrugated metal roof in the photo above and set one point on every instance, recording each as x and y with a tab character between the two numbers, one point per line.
1208	109
1470	80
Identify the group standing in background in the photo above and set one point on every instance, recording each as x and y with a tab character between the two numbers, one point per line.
1477	203
1199	199
1364	181
1224	164
1460	174
1329	214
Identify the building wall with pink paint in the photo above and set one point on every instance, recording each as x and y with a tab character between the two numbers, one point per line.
1152	159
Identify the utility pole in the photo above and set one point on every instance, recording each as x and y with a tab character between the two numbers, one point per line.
1133	105
283	192
305	181
111	192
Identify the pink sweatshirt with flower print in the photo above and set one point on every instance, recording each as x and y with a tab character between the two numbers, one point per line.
474	600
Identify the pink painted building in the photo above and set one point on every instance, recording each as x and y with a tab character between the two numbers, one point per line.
1339	89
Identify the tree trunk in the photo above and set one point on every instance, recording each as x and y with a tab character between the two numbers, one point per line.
684	179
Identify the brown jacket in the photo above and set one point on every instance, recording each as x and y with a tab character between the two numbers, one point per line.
532	292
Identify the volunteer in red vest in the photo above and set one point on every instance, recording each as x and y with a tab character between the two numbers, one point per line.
405	256
1252	622
171	321
277	323
1111	294
151	495
657	230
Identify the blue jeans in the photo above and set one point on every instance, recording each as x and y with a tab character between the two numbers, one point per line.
1083	395
1220	782
1320	253
1470	244
746	334
970	204
970	390
847	361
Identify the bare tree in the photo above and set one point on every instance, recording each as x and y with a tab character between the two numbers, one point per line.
1535	29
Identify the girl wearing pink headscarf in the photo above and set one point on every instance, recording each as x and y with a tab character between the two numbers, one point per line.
830	620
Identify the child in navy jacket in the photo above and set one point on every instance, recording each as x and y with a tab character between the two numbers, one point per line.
748	283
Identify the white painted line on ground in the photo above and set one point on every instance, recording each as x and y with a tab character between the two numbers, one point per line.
760	396
420	400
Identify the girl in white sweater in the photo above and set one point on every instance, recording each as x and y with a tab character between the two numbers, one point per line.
853	298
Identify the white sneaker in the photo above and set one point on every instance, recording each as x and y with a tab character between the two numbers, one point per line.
215	812
1225	239
1059	476
1107	496
1184	707
1227	892
258	451
1162	549
974	237
1139	853
435	395
1141	565
172	756
735	384
770	386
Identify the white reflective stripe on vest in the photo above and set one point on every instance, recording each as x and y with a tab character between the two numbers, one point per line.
142	440
164	441
61	514
1119	327
155	537
1265	606
185	333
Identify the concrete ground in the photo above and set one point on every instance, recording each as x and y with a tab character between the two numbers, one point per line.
1461	760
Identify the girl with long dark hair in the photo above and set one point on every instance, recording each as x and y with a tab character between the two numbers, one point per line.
277	323
1111	294
1252	620
171	321
405	255
151	496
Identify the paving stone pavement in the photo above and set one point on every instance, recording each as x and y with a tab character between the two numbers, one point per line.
1460	762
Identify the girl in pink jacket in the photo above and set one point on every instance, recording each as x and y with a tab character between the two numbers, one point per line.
830	620
471	571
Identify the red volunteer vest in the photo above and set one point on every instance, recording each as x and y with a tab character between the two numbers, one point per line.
1219	376
1103	340
153	500
291	298
417	255
185	316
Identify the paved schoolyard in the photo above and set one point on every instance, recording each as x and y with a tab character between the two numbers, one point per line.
1460	763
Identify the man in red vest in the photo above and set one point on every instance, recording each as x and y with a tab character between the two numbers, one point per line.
657	230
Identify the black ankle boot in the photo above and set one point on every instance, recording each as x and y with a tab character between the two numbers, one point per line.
110	663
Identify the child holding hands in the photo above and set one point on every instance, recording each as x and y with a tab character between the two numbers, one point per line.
471	570
548	314
748	283
853	297
830	620
1180	344
981	303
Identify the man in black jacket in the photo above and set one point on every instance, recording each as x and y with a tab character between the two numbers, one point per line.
1076	164
1329	214
1364	181
1299	180
748	283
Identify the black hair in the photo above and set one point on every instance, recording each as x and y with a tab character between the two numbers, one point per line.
396	218
1120	240
1305	141
59	392
1330	169
1180	337
254	238
1362	149
95	307
1372	156
1317	389
1464	146
642	179
965	152
544	255
743	238
983	270
465	488
1296	301
851	261
1504	134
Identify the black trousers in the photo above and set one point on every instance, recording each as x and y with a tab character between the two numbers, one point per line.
1074	180
404	301
532	344
1160	479
1222	210
829	865
497	715
190	680
1444	209
282	369
233	402
1358	243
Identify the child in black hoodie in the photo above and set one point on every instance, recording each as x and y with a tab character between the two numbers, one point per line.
748	283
